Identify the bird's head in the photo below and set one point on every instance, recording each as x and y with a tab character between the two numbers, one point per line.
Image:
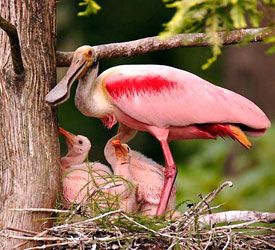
83	59
122	151
78	145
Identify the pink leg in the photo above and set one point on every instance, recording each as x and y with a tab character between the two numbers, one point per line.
170	171
170	174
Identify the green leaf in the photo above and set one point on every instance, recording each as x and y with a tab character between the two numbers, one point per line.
271	50
237	15
91	8
270	39
212	16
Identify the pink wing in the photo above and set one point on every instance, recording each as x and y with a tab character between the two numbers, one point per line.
163	96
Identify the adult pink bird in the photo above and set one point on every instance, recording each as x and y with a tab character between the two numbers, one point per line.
169	103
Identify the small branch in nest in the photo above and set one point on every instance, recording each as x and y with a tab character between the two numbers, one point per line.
203	204
50	246
32	238
152	44
14	45
235	216
21	230
147	228
44	210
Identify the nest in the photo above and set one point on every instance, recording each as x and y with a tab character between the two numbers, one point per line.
198	228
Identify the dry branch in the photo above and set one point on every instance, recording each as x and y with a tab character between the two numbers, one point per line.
151	44
14	45
234	216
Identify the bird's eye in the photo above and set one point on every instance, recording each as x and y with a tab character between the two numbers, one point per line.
80	142
128	149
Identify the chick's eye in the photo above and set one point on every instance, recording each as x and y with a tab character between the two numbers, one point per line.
80	142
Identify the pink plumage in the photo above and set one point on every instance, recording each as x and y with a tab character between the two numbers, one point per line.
177	98
147	175
169	103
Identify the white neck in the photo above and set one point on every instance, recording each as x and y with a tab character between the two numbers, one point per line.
73	159
84	90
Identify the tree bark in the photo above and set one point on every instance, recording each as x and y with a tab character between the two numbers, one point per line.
29	149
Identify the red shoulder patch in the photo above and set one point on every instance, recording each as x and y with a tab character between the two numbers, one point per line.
135	85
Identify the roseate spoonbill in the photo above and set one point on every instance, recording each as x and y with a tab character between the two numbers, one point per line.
81	179
167	102
125	188
78	178
146	173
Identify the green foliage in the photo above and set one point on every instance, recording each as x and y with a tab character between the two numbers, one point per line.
91	8
271	40
252	173
212	16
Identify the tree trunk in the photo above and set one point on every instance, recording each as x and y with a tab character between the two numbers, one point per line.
29	148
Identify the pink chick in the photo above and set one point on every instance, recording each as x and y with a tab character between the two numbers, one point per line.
125	188
144	172
79	179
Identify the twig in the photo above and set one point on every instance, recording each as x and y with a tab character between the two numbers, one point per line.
50	210
52	245
210	197
263	241
32	238
21	230
152	44
234	216
240	225
85	221
149	229
227	242
14	45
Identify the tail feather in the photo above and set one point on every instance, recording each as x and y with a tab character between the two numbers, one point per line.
227	130
240	136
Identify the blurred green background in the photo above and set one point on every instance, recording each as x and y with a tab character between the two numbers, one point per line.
203	165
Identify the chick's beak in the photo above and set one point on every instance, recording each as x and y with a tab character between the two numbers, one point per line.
69	136
120	151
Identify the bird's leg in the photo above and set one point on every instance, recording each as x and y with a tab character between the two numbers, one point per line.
170	174
170	171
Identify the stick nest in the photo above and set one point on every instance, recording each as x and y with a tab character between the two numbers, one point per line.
194	229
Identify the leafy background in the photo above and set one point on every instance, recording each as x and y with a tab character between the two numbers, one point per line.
203	165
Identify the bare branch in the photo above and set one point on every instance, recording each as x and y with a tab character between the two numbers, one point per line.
235	216
152	44
14	44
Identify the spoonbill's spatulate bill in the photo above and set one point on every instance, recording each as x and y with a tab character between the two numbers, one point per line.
169	103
